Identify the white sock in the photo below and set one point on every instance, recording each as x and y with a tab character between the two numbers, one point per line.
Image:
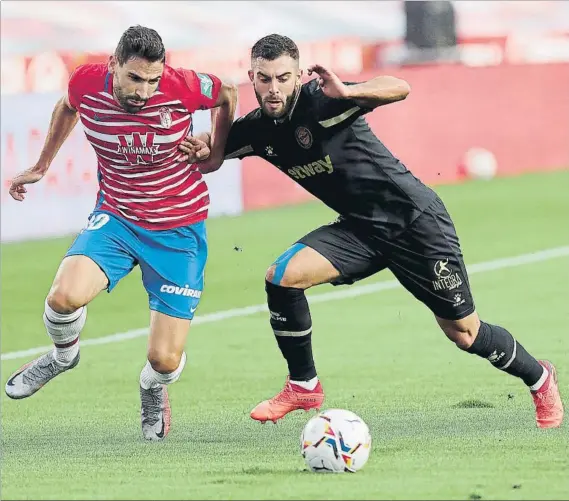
149	378
540	381
64	330
307	385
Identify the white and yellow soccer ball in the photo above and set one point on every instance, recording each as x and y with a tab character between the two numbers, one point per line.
335	441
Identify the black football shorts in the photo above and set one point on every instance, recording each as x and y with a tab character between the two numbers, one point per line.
426	258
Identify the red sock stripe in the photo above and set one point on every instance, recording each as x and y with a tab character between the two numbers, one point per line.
67	345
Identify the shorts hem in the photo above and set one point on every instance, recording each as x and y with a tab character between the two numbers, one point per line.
169	313
458	316
332	259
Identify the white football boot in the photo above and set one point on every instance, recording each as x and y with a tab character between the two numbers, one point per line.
155	412
36	374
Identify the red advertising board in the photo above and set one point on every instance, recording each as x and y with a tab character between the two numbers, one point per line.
520	113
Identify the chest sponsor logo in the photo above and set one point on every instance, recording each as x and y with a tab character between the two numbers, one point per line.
323	166
138	148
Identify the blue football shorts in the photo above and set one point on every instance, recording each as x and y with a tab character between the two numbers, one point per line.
172	261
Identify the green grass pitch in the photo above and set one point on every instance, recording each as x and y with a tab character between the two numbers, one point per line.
445	424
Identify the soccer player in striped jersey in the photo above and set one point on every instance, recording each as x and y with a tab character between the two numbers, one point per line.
150	209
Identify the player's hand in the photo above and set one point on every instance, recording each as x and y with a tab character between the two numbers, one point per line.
329	82
18	189
195	150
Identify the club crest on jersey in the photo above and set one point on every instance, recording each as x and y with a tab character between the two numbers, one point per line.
303	137
165	117
138	148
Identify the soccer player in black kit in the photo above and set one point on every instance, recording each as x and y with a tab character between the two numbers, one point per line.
316	134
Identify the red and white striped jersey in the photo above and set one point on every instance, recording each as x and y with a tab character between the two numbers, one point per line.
141	177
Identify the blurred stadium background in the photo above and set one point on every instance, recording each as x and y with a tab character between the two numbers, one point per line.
486	123
492	76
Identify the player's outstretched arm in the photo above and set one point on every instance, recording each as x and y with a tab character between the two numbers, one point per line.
63	120
221	119
376	92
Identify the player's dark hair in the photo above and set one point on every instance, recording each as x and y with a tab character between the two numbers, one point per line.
141	42
273	46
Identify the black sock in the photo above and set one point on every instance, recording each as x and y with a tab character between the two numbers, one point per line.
501	349
292	325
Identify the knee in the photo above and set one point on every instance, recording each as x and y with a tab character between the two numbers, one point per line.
292	278
164	361
461	332
62	300
270	275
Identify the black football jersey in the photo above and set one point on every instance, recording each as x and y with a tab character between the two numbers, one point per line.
327	147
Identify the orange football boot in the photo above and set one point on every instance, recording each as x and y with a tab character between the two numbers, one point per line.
291	398
547	400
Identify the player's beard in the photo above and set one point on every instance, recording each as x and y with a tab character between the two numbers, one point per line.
285	109
123	100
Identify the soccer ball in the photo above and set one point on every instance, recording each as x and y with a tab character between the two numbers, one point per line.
480	163
335	441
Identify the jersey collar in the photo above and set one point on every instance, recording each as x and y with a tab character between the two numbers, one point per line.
108	80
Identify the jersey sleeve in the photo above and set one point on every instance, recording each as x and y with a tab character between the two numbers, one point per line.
204	89
332	112
74	87
239	141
